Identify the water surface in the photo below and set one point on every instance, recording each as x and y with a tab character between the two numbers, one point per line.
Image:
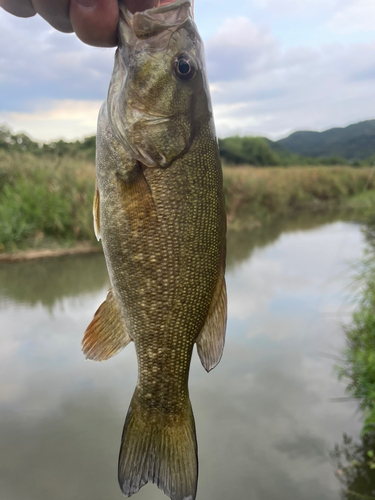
266	417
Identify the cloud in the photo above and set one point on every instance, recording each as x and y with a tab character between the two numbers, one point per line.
353	16
339	16
51	85
53	119
276	295
258	86
296	7
37	62
263	88
254	48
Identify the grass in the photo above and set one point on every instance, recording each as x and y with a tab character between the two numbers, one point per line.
261	194
358	358
47	201
44	201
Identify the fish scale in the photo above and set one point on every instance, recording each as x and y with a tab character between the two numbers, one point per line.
159	208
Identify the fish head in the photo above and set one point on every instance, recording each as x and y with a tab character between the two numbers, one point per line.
158	97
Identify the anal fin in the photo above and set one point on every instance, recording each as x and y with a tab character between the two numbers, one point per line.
106	335
210	342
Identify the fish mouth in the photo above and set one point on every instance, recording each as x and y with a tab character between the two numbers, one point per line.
166	15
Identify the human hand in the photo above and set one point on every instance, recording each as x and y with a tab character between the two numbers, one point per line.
93	21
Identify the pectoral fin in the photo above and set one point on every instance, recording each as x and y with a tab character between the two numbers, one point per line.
95	211
106	335
137	199
210	342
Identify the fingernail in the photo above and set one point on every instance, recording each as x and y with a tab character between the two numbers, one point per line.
87	4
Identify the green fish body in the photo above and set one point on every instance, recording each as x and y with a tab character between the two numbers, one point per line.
159	210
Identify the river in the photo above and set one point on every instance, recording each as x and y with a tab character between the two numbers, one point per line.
267	417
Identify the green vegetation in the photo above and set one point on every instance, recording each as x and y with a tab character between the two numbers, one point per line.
21	143
258	195
46	191
248	150
358	365
44	199
258	151
353	145
356	461
355	466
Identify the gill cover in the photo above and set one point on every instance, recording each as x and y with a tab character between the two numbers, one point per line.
150	106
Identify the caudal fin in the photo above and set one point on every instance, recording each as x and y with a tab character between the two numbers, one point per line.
160	449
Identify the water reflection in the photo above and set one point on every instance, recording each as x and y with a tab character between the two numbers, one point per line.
355	467
265	418
47	281
43	281
242	243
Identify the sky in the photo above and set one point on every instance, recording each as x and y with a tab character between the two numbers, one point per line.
274	66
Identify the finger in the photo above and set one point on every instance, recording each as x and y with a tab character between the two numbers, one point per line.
95	21
55	12
20	8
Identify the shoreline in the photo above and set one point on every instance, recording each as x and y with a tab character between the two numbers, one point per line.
242	215
46	253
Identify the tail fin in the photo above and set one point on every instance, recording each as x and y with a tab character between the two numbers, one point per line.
161	450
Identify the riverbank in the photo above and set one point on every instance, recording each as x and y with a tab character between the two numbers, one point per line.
257	196
46	202
356	367
82	248
357	360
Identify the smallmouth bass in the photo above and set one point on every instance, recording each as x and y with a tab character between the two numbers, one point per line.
159	210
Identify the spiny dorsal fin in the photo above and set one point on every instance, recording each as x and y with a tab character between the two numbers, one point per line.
95	211
210	342
106	335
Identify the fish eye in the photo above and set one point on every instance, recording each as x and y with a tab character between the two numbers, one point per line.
184	67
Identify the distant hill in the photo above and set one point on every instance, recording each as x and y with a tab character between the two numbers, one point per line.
355	142
337	146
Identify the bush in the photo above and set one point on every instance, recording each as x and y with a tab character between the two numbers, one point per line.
41	197
249	150
276	191
358	365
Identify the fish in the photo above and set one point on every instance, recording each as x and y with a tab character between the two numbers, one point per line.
159	211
